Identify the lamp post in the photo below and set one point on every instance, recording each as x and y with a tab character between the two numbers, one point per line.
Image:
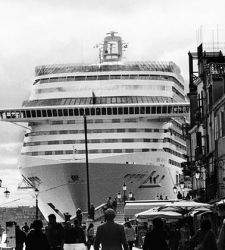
182	188
124	192
175	190
130	195
36	191
197	176
119	197
6	192
87	166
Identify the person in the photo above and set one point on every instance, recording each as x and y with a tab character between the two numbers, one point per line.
130	235
174	238
109	202
110	234
185	235
204	239
20	238
68	233
55	233
36	239
1	233
92	212
90	236
156	239
114	204
221	238
78	233
26	228
179	195
79	216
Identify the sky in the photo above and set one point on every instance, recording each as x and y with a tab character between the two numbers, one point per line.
36	32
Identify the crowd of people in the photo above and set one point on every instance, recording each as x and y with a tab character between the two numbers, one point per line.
162	236
157	236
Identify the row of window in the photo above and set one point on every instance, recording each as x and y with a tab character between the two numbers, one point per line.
109	77
162	109
168	150
98	100
177	144
103	151
90	121
175	163
121	140
178	93
93	131
91	151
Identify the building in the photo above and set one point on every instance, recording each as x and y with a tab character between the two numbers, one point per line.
19	214
206	132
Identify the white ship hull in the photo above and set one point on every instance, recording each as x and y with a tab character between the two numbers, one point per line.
63	186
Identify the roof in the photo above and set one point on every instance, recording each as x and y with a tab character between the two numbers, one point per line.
128	66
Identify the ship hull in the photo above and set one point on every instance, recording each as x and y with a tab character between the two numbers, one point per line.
63	186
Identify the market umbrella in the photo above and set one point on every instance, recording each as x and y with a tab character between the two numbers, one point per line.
185	206
152	213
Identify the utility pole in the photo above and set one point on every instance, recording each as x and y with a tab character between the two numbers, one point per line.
87	166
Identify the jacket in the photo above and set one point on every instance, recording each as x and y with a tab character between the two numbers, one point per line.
111	236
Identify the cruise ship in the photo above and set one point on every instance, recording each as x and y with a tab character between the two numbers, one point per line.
94	128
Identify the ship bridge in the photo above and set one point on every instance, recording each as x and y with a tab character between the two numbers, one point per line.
151	110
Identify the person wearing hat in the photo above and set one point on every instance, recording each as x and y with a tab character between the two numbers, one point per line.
110	234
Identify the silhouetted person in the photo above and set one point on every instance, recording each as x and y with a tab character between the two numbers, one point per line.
109	203
68	233
55	233
174	238
188	197
114	204
78	233
36	239
130	235
20	238
156	239
92	212
204	239
179	195
110	234
90	236
1	233
25	228
79	216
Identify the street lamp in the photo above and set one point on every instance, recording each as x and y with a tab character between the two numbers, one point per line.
130	195
6	193
36	191
124	191
119	196
175	190
182	188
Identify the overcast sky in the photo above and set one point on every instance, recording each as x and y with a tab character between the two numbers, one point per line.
34	32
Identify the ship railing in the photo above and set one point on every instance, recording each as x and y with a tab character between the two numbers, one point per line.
48	112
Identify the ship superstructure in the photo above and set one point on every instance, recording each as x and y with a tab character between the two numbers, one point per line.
134	113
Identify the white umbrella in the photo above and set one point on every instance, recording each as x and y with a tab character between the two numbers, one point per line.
150	214
188	204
